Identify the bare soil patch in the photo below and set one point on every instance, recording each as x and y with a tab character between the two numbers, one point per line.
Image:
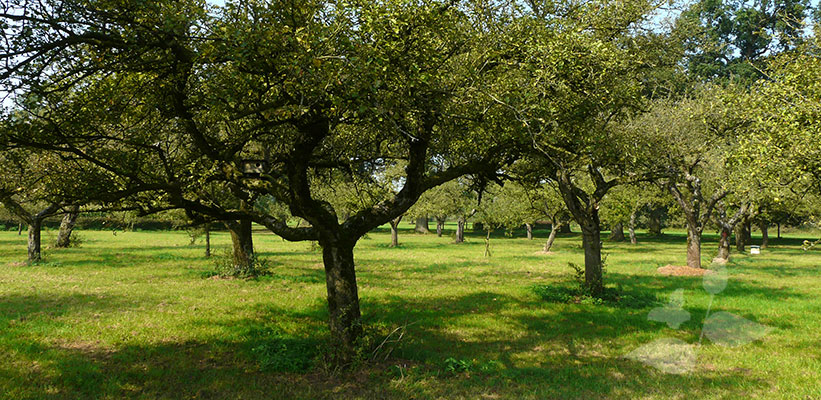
682	270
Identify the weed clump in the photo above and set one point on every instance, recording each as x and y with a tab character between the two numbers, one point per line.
226	266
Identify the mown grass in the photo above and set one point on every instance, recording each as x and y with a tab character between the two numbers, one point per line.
132	316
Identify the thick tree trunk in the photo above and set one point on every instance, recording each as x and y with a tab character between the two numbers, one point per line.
617	232
19	228
591	241
529	229
343	298
552	238
35	228
422	225
395	231
740	238
565	228
207	240
440	226
724	244
765	234
460	230
243	242
67	227
632	228
693	248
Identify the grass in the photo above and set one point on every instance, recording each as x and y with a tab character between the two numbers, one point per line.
132	316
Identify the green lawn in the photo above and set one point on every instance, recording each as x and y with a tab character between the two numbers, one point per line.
133	316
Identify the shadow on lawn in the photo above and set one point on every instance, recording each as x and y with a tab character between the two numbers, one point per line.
557	350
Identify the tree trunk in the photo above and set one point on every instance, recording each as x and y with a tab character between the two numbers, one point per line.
242	241
591	241
565	228
724	244
765	234
529	229
35	228
422	225
740	238
207	240
67	227
550	239
343	298
653	223
617	232
779	230
748	231
693	248
20	228
395	231
460	230
440	226
487	244
632	228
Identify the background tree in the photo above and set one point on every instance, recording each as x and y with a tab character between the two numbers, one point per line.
573	82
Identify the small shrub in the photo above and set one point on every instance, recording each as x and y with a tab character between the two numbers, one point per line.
455	366
226	267
76	240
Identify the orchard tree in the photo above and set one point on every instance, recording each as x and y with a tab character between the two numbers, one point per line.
693	138
572	84
169	98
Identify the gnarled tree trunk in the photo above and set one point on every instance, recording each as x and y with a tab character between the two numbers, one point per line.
67	227
460	230
694	248
632	228
35	228
343	297
765	234
740	238
654	223
440	226
552	238
591	242
529	229
617	232
585	210
395	231
422	225
243	243
724	244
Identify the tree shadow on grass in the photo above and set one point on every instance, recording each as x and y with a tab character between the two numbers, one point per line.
545	351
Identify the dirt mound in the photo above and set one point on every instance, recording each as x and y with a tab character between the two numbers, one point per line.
682	270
